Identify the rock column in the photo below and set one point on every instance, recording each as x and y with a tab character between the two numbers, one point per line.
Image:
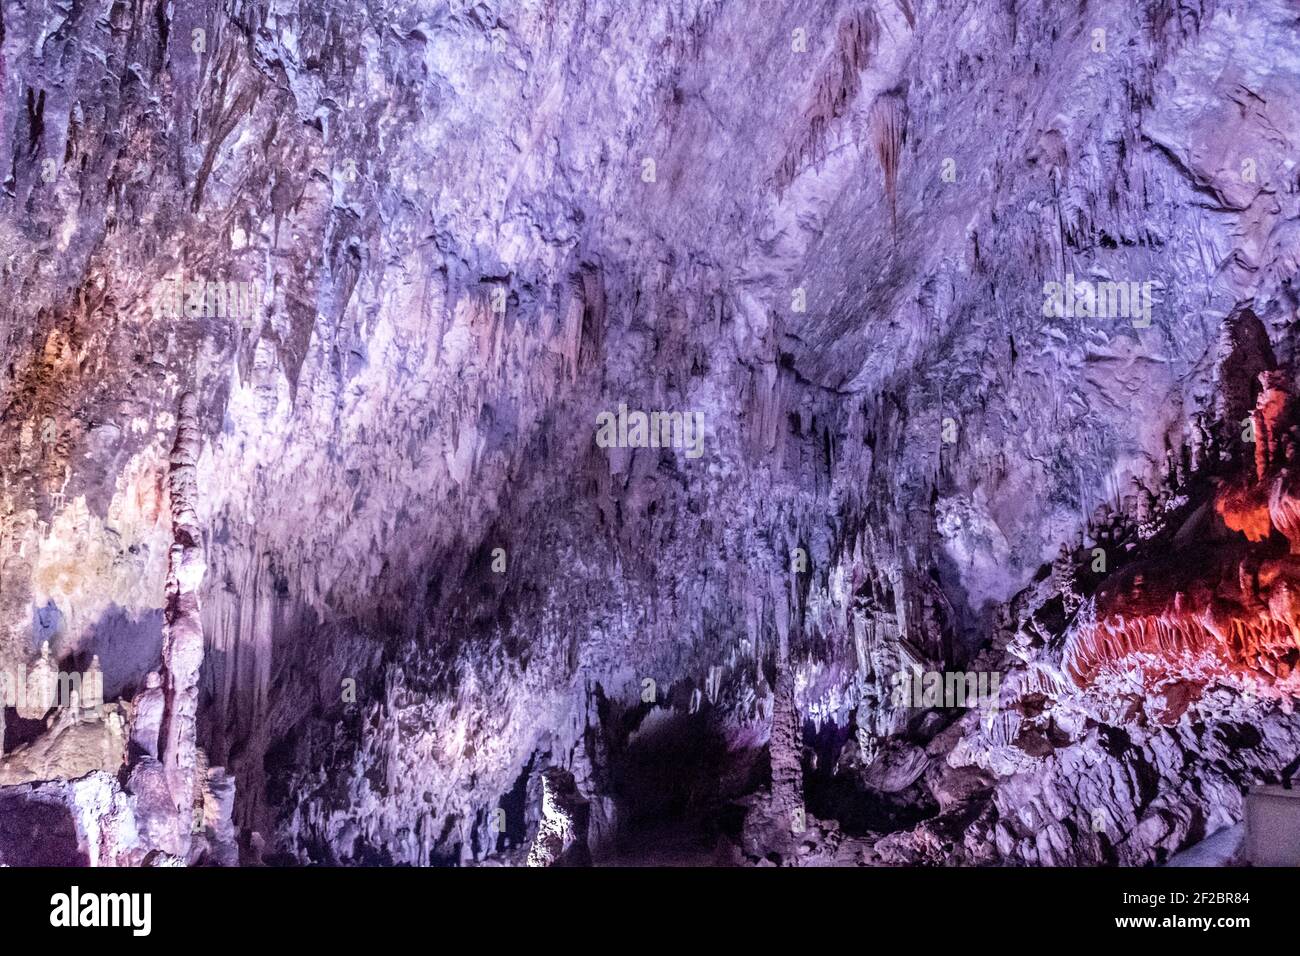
786	747
183	634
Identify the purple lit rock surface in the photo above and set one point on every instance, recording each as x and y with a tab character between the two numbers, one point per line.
424	247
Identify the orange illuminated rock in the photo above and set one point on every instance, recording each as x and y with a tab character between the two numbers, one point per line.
1245	509
1236	618
1222	603
1269	418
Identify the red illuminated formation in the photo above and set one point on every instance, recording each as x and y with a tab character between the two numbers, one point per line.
1269	419
1229	602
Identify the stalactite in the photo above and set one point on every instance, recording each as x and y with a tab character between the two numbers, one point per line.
1244	352
1269	419
888	132
835	89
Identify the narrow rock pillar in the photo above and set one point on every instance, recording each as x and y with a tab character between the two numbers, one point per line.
183	632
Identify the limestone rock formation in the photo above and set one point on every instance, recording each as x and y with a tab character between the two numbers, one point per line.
71	767
707	432
182	650
561	838
82	822
146	716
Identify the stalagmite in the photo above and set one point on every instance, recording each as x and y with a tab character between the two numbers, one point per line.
41	688
1270	409
1244	353
183	635
92	691
786	747
147	716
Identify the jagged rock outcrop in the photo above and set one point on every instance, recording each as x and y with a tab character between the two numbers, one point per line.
562	831
84	822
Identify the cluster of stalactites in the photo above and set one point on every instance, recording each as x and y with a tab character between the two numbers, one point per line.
1141	512
1244	616
1253	643
835	89
1234	610
1267	500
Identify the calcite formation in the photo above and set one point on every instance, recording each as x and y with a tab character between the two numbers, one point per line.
182	649
1222	591
168	808
561	838
323	322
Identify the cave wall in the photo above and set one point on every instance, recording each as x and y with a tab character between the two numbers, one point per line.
471	228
